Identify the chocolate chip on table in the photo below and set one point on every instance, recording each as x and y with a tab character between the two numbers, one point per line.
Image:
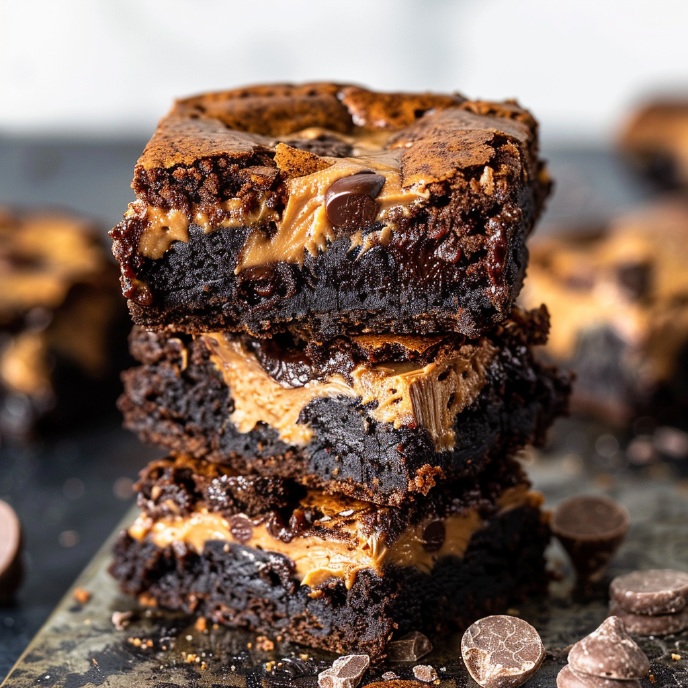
591	529
11	570
502	651
409	648
657	591
570	678
609	652
425	673
350	201
345	672
645	624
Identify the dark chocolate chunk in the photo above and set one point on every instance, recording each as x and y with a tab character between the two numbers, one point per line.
502	651
240	528
634	279
570	678
591	529
433	536
346	672
425	673
350	201
609	652
410	648
658	591
11	570
644	624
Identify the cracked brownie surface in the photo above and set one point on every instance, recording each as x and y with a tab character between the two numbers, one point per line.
328	209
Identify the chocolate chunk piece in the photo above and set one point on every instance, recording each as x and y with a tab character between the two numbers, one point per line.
346	672
502	651
658	591
591	529
410	648
570	678
387	676
425	673
120	620
11	570
350	201
609	652
644	624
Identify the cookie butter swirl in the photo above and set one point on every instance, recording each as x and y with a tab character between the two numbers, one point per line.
337	546
406	394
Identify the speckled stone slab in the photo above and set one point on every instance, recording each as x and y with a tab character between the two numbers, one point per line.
79	645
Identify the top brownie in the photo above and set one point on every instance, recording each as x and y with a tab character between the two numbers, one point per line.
329	210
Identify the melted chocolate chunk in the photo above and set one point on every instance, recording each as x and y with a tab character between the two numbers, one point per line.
350	201
635	279
433	536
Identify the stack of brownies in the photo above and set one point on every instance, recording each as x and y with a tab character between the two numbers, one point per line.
323	282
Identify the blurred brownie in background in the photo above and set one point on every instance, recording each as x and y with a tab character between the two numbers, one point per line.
618	298
655	139
62	327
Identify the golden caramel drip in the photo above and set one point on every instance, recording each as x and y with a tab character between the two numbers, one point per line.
318	559
429	396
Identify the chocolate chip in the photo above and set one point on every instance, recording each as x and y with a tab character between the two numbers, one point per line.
409	648
609	652
569	678
433	536
634	279
658	591
11	570
240	528
644	624
591	529
346	672
425	673
350	201
141	294
502	651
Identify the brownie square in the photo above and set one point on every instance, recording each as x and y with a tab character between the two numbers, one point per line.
379	418
330	210
331	572
62	325
655	141
618	299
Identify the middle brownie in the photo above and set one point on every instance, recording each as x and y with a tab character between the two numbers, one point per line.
378	418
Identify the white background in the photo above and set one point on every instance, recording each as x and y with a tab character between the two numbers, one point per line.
111	67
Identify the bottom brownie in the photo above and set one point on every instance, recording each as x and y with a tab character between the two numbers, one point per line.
331	572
